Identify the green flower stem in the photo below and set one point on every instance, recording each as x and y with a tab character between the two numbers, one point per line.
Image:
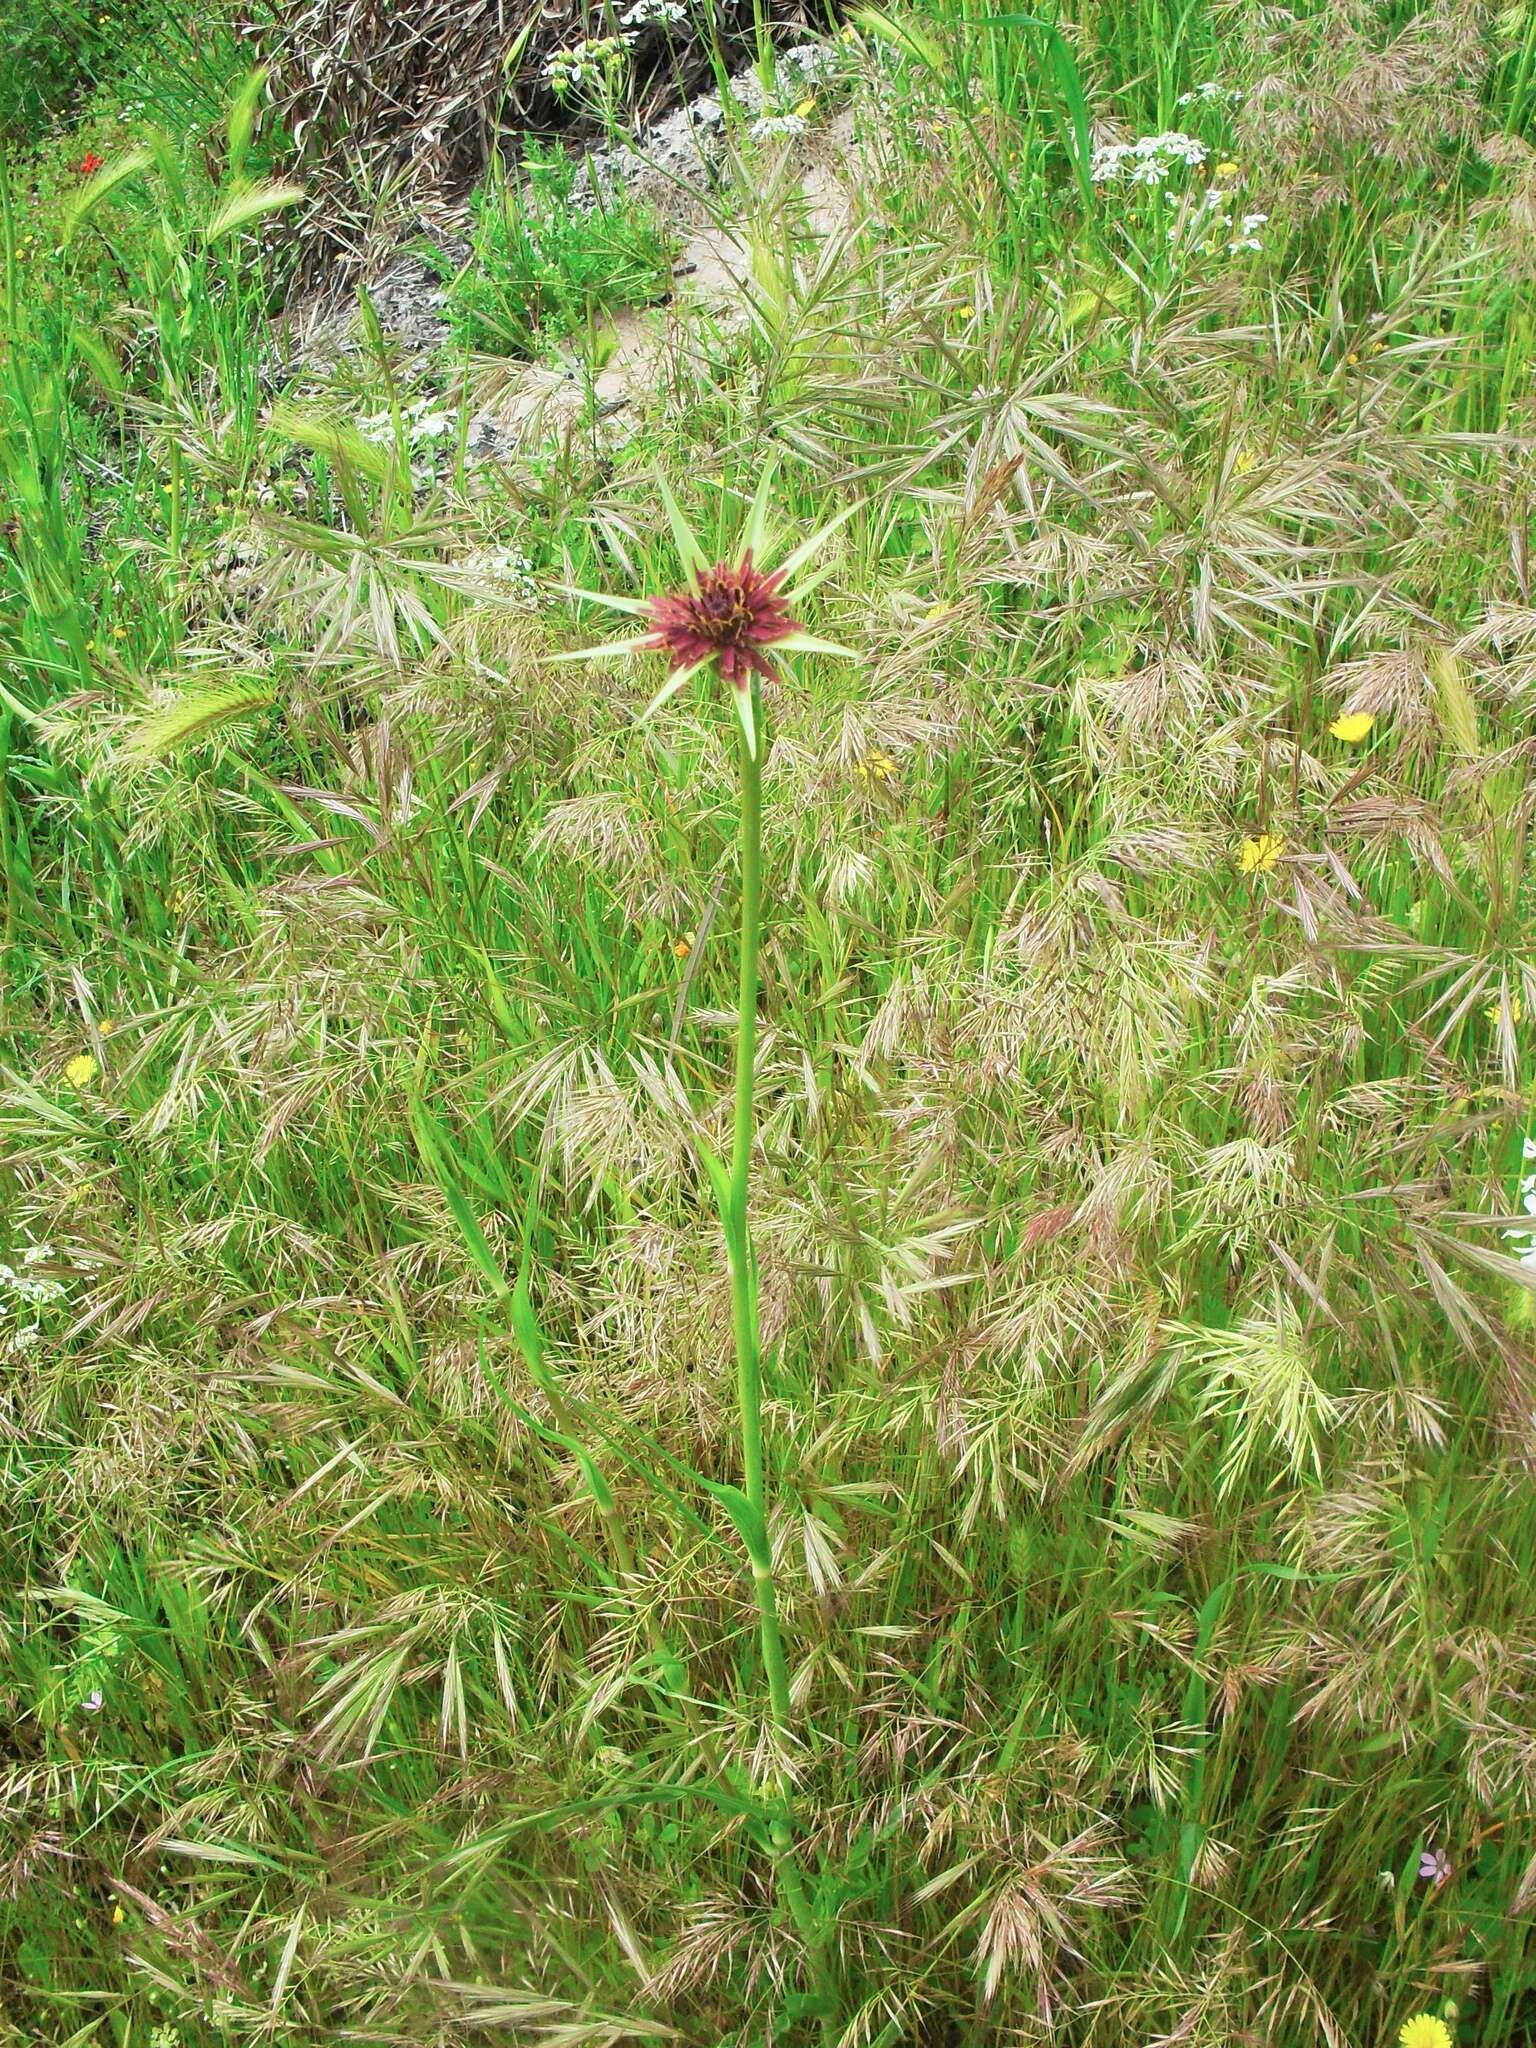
749	1363
749	1374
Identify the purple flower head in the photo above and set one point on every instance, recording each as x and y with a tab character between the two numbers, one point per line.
1434	1866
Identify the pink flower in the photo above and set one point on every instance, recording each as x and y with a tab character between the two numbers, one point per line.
726	616
1434	1866
730	615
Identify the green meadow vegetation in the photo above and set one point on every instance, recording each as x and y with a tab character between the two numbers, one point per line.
848	1359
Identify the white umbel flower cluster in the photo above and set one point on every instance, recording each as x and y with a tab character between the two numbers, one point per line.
810	64
586	62
1522	1243
1148	160
27	1290
1213	214
1211	94
31	1287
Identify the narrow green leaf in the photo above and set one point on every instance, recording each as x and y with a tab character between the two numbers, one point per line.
525	1324
431	1145
901	36
750	1526
1069	84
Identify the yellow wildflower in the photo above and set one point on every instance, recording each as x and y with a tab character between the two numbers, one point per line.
1226	168
81	1071
1258	856
877	767
682	947
938	611
1424	2031
1352	357
1353	727
1495	1011
106	1027
117	1916
805	107
1244	460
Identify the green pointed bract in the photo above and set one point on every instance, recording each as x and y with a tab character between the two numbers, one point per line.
807	548
670	688
639	605
690	554
808	643
747	716
755	530
629	646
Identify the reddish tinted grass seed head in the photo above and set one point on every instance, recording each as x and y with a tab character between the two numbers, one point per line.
735	613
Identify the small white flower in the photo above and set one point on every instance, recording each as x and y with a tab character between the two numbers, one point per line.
778	124
814	62
31	1288
586	61
1150	157
92	1702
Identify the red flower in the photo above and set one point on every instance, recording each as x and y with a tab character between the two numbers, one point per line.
725	616
729	616
90	164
